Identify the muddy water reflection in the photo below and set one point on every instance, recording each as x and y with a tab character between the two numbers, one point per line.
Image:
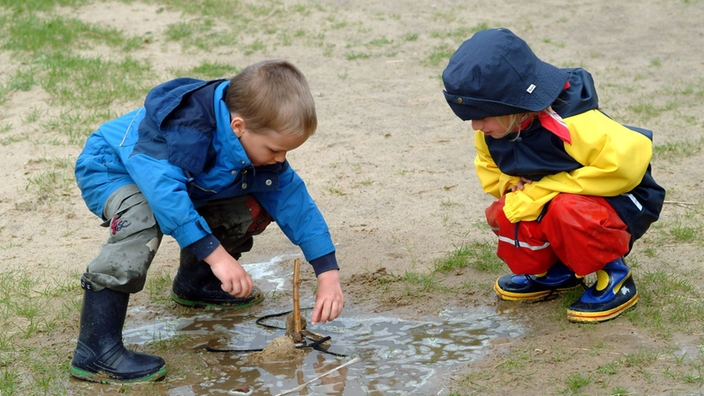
397	356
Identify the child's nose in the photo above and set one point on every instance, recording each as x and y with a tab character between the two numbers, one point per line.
477	125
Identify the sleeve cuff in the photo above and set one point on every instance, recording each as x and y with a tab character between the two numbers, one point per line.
324	263
204	246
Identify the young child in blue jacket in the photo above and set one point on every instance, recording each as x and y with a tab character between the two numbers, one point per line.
574	187
204	162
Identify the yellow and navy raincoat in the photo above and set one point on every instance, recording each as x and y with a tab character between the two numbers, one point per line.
604	159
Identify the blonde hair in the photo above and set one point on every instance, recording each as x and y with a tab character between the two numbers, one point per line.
512	122
273	96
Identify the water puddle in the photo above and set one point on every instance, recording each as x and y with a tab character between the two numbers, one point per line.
396	355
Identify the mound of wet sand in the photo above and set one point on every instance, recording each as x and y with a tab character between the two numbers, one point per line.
280	350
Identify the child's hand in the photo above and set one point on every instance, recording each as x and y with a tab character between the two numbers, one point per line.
234	278
521	184
329	299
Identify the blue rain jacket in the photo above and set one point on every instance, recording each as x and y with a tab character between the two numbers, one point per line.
181	152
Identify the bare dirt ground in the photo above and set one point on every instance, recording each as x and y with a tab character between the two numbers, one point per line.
391	168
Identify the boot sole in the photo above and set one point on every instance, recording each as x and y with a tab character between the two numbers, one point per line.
200	304
104	378
601	316
508	296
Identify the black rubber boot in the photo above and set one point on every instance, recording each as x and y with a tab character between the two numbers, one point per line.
195	285
100	355
234	222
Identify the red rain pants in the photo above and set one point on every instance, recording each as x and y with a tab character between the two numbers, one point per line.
584	232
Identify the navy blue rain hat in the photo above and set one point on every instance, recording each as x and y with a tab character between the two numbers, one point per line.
495	73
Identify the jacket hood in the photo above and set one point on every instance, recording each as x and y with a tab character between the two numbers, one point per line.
182	112
579	97
164	99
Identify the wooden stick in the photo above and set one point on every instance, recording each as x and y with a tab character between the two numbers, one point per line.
317	378
687	205
296	301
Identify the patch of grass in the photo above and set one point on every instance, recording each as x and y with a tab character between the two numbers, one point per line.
22	80
459	34
74	126
9	380
575	382
32	115
55	179
424	281
38	5
227	9
32	299
30	33
648	110
439	54
478	255
641	358
444	17
608	368
667	302
448	203
357	55
411	37
179	30
379	42
677	151
165	344
254	46
682	230
619	391
689	371
558	44
31	304
159	286
92	83
212	70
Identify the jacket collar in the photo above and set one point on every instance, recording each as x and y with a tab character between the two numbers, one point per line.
231	147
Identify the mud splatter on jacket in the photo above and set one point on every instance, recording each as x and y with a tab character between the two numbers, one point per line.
605	159
181	152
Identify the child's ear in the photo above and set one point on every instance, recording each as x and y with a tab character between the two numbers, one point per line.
238	125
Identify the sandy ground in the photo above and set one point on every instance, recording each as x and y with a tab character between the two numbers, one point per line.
391	167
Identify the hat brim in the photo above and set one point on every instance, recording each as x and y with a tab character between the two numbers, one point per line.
549	81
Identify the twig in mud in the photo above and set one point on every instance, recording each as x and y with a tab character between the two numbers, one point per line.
296	302
439	188
88	32
317	378
687	205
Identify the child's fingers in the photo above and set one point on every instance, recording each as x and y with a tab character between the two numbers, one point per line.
336	310
329	311
317	310
246	288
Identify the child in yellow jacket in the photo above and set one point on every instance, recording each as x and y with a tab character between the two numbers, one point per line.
574	187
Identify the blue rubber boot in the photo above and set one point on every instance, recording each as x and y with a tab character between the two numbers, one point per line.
613	293
557	279
100	355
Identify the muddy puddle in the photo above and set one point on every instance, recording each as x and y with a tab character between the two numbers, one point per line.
396	355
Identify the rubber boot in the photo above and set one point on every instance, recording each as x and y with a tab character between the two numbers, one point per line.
100	355
195	285
557	279
613	293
